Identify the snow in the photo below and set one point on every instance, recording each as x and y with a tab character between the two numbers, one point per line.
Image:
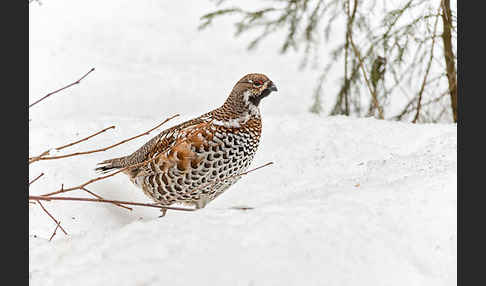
347	201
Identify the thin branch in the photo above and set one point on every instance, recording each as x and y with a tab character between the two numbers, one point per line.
67	86
48	197
428	68
84	139
405	110
55	230
80	187
121	203
39	158
91	193
45	153
373	94
57	223
409	108
101	198
42	174
233	176
350	20
153	205
83	185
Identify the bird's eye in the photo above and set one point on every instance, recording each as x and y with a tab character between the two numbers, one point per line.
258	83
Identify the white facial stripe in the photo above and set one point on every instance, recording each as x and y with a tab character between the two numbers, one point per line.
246	96
251	107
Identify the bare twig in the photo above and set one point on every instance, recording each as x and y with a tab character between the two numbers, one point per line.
84	189
373	94
42	174
67	86
45	153
121	203
153	205
422	87
349	24
409	108
84	139
48	196
38	158
249	171
43	208
101	198
55	230
233	176
83	185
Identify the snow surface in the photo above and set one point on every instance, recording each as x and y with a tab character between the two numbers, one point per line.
347	202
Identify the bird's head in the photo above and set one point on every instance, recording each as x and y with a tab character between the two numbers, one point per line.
254	87
247	94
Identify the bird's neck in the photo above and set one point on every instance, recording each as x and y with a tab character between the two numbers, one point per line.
235	113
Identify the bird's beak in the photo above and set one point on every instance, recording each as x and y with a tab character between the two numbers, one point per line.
272	87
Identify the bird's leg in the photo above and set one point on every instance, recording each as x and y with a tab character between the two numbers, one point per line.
163	211
202	202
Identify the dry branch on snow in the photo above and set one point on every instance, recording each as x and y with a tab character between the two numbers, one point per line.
82	187
62	88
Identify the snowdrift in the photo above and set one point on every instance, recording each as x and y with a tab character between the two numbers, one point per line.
347	202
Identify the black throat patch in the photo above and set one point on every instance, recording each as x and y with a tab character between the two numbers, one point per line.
255	99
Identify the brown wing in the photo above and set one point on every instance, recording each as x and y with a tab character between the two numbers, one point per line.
155	146
173	148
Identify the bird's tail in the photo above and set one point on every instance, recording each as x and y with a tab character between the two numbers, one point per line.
112	164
